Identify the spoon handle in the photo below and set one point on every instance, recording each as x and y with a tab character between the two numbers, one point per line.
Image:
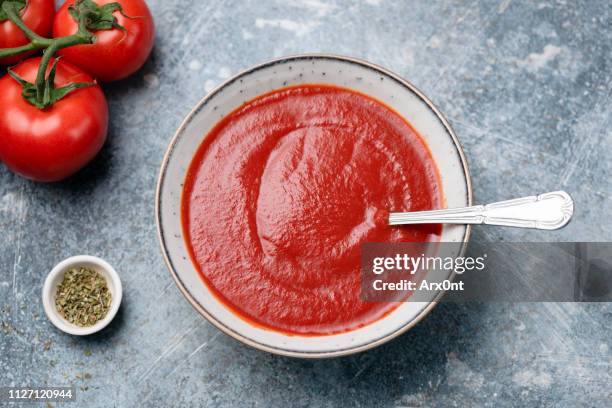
547	211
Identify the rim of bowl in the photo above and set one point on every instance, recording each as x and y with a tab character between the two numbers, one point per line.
220	325
48	287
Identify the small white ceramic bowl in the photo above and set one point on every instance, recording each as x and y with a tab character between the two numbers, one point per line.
352	73
56	276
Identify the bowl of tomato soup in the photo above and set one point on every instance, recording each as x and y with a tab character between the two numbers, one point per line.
276	179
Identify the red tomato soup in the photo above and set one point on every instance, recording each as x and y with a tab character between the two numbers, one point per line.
284	190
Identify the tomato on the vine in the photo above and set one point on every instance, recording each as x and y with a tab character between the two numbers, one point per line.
37	15
117	52
51	144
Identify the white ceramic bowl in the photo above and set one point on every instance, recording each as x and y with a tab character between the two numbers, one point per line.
359	75
56	276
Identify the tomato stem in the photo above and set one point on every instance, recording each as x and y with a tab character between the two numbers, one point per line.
49	52
12	9
9	52
89	17
50	45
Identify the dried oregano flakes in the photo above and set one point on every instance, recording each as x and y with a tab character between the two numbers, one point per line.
83	297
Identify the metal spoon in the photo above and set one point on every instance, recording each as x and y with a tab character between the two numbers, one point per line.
548	211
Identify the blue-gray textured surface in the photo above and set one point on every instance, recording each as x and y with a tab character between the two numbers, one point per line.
527	87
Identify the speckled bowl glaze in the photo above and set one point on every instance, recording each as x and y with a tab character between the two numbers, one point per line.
359	75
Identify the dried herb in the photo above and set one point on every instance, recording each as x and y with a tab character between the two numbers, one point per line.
83	297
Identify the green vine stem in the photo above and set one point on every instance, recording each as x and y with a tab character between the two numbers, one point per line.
51	46
89	17
9	52
12	9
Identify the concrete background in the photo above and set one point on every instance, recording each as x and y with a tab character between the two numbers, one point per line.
527	87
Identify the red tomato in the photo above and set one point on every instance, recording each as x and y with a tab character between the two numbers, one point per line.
52	143
115	54
38	15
